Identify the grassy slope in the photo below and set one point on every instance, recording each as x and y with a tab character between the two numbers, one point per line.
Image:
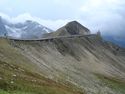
117	85
16	76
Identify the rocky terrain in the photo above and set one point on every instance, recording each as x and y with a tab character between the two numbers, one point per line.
72	65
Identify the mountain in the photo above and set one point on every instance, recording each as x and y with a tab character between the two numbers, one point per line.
27	30
71	28
2	28
62	65
115	39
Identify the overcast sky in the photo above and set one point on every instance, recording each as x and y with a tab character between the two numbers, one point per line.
104	15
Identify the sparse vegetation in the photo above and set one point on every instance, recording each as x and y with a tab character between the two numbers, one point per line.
15	81
17	75
117	85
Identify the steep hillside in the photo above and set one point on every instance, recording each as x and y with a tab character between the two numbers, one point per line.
18	75
88	62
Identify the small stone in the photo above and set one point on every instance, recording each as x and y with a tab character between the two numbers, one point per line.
12	82
33	80
0	78
14	75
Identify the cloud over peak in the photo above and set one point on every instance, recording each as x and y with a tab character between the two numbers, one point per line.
104	15
54	24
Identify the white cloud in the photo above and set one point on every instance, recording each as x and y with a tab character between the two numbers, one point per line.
4	16
97	5
106	15
53	24
22	18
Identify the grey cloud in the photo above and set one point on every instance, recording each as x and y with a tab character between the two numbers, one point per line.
107	16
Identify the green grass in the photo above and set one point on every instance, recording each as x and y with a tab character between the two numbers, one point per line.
26	82
3	92
117	85
14	92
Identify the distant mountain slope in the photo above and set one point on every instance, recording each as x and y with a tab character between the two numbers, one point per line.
71	28
3	30
117	40
26	30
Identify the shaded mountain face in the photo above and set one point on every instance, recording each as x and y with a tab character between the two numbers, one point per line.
2	28
27	30
117	40
71	28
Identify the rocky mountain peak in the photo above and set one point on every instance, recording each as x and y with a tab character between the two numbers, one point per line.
73	23
71	28
75	27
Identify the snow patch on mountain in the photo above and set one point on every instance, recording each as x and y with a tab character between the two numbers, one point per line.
45	29
13	32
26	30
